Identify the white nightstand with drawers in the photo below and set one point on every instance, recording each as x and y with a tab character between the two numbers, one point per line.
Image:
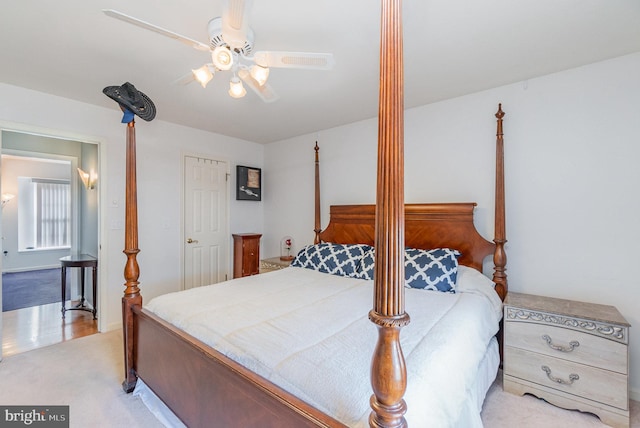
572	354
275	263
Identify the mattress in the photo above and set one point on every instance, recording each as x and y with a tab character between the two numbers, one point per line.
308	332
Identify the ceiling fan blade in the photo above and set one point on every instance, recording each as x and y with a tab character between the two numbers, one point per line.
185	80
147	26
235	22
305	60
265	91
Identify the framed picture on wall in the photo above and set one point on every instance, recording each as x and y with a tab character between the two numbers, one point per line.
248	183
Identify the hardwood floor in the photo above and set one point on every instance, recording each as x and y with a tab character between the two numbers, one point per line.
38	326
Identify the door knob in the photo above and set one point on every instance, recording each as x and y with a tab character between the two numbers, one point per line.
192	241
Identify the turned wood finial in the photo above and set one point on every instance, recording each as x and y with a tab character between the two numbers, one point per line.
500	237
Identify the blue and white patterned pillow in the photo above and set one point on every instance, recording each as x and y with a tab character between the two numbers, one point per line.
365	270
431	270
336	259
435	269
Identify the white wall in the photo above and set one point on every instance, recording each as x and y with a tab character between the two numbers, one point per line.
572	177
89	202
159	151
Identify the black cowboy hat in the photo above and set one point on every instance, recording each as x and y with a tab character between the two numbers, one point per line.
132	99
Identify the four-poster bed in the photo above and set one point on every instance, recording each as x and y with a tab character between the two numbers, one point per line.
206	386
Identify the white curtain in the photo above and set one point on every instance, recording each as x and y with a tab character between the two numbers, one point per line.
53	220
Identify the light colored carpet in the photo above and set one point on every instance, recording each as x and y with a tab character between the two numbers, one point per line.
86	374
83	373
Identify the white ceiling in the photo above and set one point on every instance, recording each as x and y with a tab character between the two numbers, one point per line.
452	47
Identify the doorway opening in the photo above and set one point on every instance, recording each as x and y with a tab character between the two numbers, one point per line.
49	214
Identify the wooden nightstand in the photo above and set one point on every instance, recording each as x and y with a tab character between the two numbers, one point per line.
246	254
274	263
572	354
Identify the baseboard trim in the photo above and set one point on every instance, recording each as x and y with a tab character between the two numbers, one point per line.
30	268
114	326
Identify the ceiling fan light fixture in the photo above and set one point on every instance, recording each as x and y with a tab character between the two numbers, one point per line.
222	58
231	49
236	89
203	75
260	74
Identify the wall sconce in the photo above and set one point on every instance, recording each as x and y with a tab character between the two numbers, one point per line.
6	197
88	179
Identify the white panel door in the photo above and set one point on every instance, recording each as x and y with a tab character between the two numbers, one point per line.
205	222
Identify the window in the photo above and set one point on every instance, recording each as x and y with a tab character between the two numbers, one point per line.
44	215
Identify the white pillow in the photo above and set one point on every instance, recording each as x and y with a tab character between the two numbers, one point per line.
470	280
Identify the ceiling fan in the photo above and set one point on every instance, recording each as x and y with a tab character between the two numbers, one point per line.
231	48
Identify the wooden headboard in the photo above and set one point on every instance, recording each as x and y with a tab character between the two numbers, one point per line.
427	226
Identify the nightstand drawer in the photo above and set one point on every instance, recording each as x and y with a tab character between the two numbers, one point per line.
567	344
596	384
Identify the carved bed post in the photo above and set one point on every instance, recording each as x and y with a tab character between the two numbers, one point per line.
132	295
500	238
317	229
388	370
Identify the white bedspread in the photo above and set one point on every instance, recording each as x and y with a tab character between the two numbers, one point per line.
308	332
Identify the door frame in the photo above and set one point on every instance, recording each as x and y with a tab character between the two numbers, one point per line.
183	237
102	192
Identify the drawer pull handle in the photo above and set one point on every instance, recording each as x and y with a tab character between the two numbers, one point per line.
572	345
572	377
